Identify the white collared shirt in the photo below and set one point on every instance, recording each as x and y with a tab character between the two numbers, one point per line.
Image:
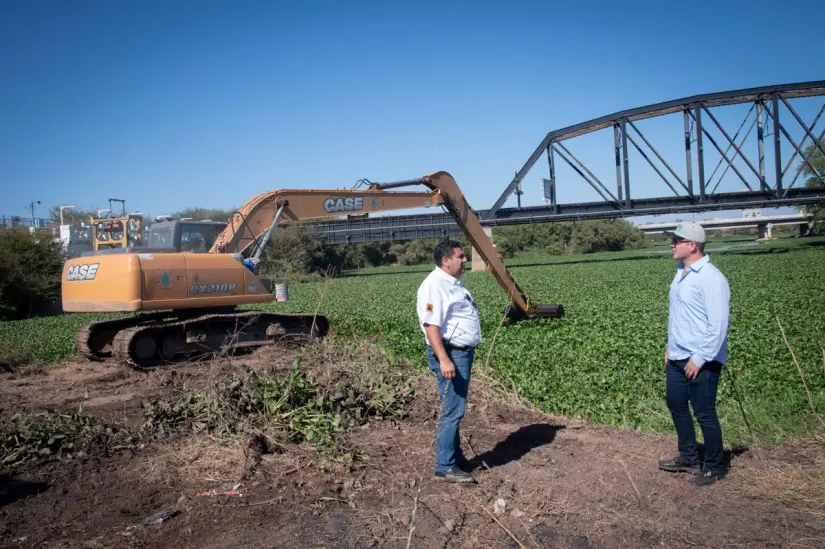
444	302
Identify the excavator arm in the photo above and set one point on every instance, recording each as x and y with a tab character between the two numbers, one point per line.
253	223
466	218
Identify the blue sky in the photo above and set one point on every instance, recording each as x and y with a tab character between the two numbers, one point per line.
176	104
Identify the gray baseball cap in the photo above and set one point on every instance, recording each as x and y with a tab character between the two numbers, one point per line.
689	230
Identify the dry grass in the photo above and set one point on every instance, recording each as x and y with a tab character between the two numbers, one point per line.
794	475
798	484
206	463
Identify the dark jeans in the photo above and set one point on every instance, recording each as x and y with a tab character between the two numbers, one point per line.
701	393
453	403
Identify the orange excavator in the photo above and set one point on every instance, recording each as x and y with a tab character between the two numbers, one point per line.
185	302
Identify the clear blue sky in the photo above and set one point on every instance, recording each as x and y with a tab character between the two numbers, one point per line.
177	104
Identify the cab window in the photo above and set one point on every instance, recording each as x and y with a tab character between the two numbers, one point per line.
160	238
198	238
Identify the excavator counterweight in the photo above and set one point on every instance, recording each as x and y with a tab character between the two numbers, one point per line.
183	304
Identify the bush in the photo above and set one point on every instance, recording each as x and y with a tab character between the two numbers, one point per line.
606	236
294	254
30	270
569	238
298	254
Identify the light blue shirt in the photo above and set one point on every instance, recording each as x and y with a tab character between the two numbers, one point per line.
699	314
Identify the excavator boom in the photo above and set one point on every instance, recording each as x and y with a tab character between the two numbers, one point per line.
250	225
253	219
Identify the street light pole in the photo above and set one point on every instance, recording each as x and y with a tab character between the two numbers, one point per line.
61	213
31	207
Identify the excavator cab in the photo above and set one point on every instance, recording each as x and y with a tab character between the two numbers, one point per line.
184	235
171	236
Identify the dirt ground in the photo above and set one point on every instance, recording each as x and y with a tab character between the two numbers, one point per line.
544	481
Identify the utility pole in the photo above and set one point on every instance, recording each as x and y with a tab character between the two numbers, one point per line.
31	207
518	192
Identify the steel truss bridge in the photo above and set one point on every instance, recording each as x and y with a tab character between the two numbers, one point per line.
764	180
763	224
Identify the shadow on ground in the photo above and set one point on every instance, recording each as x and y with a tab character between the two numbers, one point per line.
13	489
517	445
727	455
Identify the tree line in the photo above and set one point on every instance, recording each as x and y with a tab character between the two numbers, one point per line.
299	253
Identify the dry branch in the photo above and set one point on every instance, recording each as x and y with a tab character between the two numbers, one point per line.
635	489
415	508
492	516
327	277
500	324
798	367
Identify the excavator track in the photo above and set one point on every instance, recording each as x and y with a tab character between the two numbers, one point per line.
94	340
155	339
151	344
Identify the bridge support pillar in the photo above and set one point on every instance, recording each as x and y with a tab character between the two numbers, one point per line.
765	231
478	263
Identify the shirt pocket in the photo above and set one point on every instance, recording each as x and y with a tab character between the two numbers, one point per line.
462	303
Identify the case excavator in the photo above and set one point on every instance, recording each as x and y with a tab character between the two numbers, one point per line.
183	305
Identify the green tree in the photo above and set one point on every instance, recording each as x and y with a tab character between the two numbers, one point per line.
817	160
293	254
71	215
30	272
201	214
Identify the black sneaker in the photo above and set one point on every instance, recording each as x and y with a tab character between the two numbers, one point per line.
676	465
707	477
454	474
467	465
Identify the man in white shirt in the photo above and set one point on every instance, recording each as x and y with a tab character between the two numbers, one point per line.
448	316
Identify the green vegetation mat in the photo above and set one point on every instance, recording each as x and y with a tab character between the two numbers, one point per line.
604	360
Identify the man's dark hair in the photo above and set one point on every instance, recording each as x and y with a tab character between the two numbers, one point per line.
445	249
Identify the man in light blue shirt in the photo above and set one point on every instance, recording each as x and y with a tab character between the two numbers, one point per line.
697	349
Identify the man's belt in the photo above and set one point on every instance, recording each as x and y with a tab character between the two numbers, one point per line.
448	345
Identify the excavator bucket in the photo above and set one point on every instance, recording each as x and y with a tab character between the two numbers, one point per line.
548	310
516	314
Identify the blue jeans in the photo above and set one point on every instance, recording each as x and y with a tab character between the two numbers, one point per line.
701	393
453	402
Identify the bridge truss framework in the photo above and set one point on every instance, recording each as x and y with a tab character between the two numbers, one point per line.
765	184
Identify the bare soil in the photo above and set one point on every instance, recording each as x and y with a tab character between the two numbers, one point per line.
544	482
